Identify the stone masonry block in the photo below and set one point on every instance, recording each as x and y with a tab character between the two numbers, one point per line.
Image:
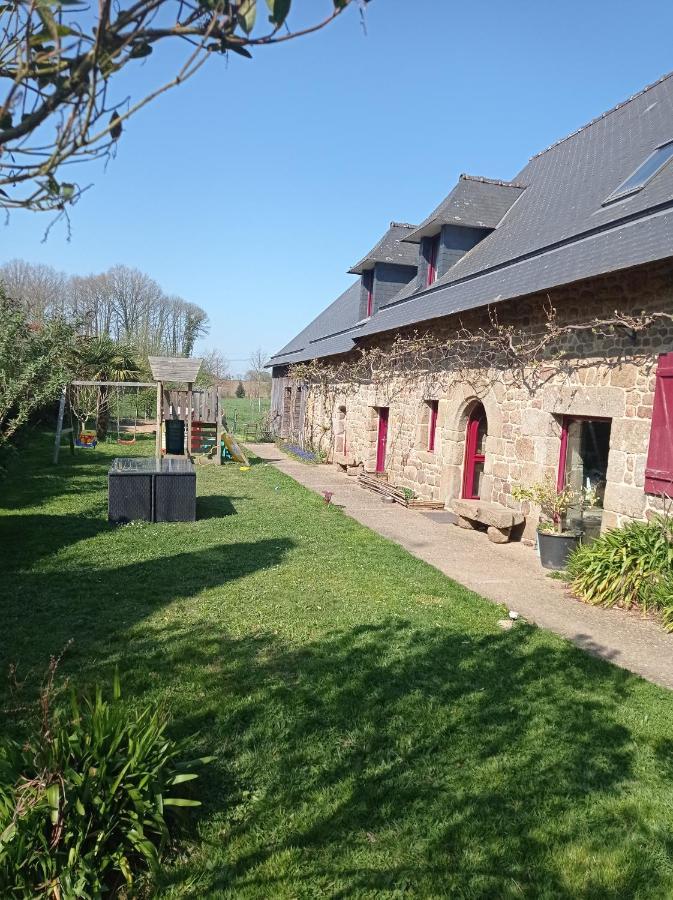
630	435
584	401
625	500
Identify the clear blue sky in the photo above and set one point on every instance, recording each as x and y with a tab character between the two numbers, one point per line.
253	188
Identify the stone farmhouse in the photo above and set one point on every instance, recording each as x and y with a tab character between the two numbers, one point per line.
522	332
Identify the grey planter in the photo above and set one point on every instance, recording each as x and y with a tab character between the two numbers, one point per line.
556	548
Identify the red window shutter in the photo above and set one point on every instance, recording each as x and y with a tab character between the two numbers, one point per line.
659	470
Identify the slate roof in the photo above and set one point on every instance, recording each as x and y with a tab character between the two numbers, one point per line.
644	240
329	333
558	231
474	201
390	249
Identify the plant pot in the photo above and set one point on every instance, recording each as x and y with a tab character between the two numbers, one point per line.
556	548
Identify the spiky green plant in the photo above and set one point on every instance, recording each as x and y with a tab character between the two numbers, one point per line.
627	566
84	800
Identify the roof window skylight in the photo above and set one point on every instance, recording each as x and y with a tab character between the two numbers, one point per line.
644	173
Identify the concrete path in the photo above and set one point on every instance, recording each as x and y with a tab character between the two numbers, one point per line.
505	573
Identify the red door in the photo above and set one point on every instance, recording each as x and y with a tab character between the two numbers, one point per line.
382	441
475	441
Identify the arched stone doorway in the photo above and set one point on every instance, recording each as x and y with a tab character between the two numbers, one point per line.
475	452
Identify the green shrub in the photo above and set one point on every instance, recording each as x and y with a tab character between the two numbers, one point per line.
629	566
84	800
664	600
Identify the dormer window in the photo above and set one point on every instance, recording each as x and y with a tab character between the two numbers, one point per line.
433	253
368	277
645	172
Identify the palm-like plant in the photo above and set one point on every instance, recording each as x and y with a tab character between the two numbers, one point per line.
103	359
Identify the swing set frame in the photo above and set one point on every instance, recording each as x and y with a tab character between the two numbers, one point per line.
201	410
66	399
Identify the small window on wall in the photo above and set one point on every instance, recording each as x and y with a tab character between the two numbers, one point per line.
583	467
297	406
369	289
433	253
475	453
433	409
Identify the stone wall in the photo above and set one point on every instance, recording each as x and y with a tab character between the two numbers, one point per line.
603	377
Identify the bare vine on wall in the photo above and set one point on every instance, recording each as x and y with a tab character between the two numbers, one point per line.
512	354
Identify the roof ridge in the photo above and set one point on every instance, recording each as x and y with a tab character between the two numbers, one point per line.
481	178
603	115
400	225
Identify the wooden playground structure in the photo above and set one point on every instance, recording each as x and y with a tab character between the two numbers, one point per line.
188	422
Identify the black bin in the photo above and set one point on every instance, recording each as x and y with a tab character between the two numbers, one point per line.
130	496
156	490
175	437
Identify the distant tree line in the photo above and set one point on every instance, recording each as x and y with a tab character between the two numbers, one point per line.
123	304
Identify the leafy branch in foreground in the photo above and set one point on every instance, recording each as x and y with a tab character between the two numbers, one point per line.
35	363
58	62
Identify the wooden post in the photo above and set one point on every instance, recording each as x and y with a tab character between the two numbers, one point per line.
188	449
59	425
160	413
218	420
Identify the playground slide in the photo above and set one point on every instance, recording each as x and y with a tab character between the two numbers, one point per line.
234	450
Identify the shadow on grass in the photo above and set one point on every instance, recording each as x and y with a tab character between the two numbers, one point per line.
216	506
260	461
23	486
387	760
99	608
27	538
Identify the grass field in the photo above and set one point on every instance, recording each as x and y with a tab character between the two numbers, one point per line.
377	734
245	411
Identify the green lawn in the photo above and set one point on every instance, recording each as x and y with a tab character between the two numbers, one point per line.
377	734
245	411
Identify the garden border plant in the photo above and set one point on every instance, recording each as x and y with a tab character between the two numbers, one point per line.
86	796
631	566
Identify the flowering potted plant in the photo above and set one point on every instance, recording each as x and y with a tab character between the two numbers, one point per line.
555	541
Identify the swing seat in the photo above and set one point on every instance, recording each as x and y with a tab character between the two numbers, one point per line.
130	440
87	440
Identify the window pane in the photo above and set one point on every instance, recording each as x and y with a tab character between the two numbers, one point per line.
478	477
643	173
586	469
480	448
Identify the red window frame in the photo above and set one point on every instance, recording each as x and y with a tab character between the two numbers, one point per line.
472	458
432	424
659	468
433	253
382	439
369	287
566	422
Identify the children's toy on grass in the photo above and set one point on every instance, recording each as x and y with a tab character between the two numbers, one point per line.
231	449
87	440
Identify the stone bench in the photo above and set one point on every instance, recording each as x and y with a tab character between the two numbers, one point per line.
498	520
346	463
